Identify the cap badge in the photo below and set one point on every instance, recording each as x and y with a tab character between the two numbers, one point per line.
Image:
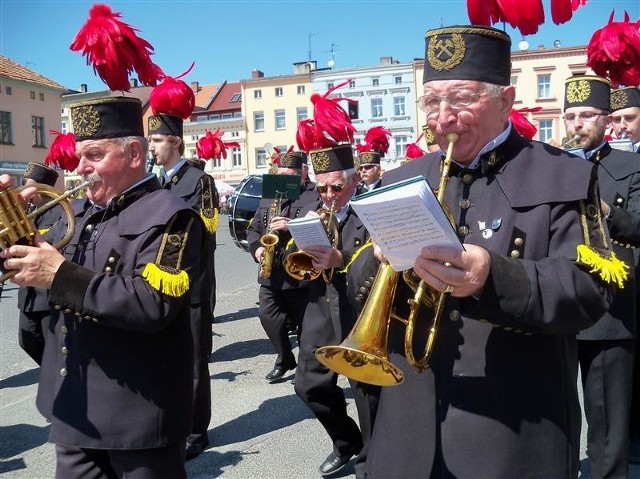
321	161
28	171
86	120
154	123
286	161
429	137
578	91
619	99
446	53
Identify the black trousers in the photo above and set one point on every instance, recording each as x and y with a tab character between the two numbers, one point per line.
606	368
277	309
202	344
317	387
32	326
159	463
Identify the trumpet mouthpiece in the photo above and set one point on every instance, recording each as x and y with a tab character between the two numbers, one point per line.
452	137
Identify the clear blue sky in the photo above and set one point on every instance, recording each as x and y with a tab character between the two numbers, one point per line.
229	38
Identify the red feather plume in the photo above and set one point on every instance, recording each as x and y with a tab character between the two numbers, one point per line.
114	49
414	151
62	152
331	118
521	123
562	10
376	139
310	137
211	145
614	52
488	12
173	97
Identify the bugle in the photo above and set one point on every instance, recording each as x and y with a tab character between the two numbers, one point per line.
363	355
18	227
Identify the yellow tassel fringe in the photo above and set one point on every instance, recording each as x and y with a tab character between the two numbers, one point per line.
611	270
171	284
210	223
355	255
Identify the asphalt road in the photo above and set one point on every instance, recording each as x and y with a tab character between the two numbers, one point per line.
258	430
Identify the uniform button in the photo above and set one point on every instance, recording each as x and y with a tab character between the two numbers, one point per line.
619	200
78	313
63	372
508	328
111	260
463	230
464	204
357	242
67	311
454	315
518	241
58	307
79	247
95	320
89	228
362	289
64	350
64	329
87	317
367	283
467	179
515	253
327	299
108	269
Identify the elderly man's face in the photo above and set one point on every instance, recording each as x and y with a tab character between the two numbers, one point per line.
627	120
117	167
333	187
588	123
469	109
369	173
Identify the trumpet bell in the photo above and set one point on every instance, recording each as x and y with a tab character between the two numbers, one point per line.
363	356
299	265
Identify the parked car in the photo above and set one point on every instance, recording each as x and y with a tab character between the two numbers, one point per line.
243	204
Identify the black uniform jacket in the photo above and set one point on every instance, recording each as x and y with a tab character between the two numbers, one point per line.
259	226
499	399
329	300
117	371
619	176
198	190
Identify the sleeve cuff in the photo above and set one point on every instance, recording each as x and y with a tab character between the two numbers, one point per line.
70	284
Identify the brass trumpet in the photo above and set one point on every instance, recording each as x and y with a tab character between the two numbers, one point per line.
299	264
18	227
363	355
571	142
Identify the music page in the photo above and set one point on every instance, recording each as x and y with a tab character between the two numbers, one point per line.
404	217
307	232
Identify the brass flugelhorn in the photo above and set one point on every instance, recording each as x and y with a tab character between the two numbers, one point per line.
363	355
571	142
18	227
299	264
270	239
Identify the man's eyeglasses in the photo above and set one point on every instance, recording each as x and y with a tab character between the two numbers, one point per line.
584	117
366	167
325	188
457	100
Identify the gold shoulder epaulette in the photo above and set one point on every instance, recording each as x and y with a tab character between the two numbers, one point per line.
208	210
355	255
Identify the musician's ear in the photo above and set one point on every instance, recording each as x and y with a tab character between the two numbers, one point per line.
507	99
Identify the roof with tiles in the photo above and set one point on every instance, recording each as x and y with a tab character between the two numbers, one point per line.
229	98
204	94
15	71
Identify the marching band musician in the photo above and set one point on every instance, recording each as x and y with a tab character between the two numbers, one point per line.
606	349
282	299
499	398
329	316
116	377
198	190
625	114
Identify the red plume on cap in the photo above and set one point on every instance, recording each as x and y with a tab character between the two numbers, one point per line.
527	18
173	97
62	152
521	123
376	139
331	118
211	145
310	137
115	50
413	150
614	52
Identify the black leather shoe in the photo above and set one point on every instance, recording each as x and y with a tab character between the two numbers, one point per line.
195	448
277	372
333	463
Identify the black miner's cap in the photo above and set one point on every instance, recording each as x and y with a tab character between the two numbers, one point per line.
627	97
40	173
587	90
163	124
109	117
336	158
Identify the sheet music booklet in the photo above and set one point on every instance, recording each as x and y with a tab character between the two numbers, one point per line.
404	217
308	231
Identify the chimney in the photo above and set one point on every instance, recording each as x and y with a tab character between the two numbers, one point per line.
195	86
386	60
83	88
257	74
133	82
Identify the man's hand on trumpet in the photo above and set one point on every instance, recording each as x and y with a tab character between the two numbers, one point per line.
325	257
37	264
461	273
